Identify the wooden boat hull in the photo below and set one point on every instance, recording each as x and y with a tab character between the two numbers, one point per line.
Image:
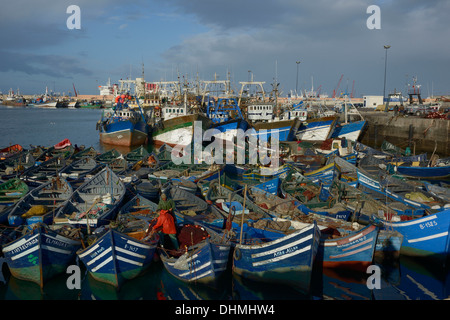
203	265
288	259
286	129
52	195
125	133
351	131
178	131
78	169
423	237
354	251
319	129
424	172
10	151
40	255
12	190
95	202
116	257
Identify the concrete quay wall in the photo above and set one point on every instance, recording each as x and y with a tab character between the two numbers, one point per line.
425	135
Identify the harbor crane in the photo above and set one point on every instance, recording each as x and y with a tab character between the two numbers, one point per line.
337	87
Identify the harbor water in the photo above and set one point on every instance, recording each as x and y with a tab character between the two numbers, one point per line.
405	279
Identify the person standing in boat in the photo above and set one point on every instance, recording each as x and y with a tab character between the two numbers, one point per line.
165	224
166	204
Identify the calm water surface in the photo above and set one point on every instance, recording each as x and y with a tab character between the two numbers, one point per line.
46	127
405	280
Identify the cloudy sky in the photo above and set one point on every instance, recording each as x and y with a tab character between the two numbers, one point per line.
239	37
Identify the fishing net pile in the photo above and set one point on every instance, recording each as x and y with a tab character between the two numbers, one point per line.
190	235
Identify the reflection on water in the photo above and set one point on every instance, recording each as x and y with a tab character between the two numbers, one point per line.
409	280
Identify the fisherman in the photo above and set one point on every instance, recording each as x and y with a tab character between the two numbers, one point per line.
165	224
166	204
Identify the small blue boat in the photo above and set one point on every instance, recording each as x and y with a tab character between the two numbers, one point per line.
422	172
41	204
76	171
95	202
354	251
395	191
272	186
426	236
203	262
41	254
116	257
277	257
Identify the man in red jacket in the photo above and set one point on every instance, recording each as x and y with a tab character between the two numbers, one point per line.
166	225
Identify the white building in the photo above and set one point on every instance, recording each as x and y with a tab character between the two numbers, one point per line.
372	102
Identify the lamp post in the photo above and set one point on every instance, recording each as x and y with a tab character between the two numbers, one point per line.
386	47
296	83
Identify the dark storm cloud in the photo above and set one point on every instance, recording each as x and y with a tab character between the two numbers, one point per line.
231	14
51	65
329	37
31	30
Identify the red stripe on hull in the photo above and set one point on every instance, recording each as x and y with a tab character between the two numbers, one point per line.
360	266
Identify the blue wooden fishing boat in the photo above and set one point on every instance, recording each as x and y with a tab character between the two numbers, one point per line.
438	191
271	186
343	244
425	237
11	191
350	130
228	130
41	204
42	253
41	173
276	256
203	260
421	172
352	252
267	173
95	202
116	256
124	126
77	170
15	165
192	209
285	130
139	206
392	193
324	174
316	129
149	189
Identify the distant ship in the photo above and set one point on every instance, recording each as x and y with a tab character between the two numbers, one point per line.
108	89
14	100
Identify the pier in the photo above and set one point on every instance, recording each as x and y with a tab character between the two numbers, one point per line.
420	134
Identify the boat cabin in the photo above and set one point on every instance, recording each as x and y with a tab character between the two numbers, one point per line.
173	111
260	112
302	115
